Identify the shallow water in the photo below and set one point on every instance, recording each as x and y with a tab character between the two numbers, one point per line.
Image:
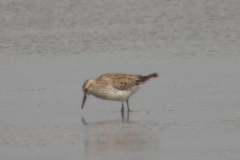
190	112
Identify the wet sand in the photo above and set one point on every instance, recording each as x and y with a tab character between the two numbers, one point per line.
48	49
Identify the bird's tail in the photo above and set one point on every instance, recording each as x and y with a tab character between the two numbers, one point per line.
153	75
144	78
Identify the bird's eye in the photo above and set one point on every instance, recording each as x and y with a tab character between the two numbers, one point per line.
85	90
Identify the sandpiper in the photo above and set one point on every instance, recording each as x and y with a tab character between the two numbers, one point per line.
115	86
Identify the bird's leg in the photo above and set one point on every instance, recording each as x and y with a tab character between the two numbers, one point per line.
128	106
122	110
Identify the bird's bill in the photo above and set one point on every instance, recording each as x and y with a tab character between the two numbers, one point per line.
84	99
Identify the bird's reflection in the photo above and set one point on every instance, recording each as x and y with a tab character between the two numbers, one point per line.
124	116
123	113
115	135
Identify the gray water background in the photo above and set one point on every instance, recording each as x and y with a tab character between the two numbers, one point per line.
49	48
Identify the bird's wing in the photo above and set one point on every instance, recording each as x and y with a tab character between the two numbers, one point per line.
124	81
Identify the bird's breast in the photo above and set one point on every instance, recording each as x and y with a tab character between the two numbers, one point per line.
116	95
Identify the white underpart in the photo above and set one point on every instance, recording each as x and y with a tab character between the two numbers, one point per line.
116	95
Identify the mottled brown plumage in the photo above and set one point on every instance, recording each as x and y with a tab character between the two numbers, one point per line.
115	86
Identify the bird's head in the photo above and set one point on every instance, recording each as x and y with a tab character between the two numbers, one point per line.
87	89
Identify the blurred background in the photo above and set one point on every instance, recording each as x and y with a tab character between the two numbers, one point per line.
48	48
166	29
